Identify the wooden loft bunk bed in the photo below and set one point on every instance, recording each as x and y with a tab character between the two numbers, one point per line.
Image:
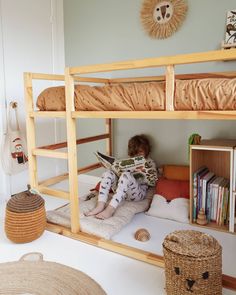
72	76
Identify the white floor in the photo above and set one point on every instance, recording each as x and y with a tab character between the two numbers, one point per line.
115	273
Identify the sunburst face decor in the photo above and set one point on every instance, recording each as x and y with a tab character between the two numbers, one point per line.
161	18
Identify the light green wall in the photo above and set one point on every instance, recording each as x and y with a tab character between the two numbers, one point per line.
102	31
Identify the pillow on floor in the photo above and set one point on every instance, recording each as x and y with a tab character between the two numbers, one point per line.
176	172
171	189
176	209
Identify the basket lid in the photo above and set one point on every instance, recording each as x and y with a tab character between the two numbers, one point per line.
191	243
25	202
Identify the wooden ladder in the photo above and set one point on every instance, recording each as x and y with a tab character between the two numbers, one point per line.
51	152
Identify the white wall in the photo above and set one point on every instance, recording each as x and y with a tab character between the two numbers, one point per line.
32	40
109	30
4	187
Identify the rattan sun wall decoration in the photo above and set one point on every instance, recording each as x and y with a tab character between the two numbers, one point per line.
161	18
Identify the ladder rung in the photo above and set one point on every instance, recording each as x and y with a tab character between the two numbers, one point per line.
53	192
49	153
48	114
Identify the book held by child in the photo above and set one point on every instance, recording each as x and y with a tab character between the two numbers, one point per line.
142	168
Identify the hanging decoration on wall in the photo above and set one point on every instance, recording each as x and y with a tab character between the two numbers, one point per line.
230	36
161	18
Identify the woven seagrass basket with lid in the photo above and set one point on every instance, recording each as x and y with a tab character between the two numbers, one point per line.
25	218
193	263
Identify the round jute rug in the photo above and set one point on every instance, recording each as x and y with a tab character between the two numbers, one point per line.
32	275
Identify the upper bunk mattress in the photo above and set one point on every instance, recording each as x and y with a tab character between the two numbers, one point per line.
115	97
205	94
197	94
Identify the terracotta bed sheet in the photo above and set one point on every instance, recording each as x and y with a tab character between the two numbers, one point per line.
205	94
197	94
116	97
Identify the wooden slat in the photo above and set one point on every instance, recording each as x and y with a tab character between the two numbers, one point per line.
78	141
59	178
184	115
53	180
47	114
217	55
213	226
228	282
49	153
92	80
92	138
30	130
72	152
41	76
216	143
190	76
141	114
109	140
170	87
55	146
212	148
53	192
89	168
137	79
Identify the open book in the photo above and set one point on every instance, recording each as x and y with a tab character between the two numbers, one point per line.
142	169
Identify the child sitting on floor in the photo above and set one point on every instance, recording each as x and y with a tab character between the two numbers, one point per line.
127	186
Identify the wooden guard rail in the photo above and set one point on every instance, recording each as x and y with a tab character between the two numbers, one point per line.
181	59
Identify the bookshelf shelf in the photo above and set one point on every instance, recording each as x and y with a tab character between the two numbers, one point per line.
213	225
214	188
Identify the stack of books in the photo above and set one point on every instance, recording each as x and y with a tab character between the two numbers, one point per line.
210	193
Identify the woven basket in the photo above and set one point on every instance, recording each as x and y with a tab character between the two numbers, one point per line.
193	263
25	218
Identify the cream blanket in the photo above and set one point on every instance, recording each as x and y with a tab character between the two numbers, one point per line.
102	228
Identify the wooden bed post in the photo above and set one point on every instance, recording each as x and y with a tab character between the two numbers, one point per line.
109	139
30	130
170	87
72	152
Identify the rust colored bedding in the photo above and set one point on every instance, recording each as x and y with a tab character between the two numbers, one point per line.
197	94
116	97
205	94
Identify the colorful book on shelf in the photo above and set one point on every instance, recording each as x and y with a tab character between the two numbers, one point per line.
215	192
141	168
226	220
195	191
209	198
221	216
220	200
200	180
224	203
206	178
